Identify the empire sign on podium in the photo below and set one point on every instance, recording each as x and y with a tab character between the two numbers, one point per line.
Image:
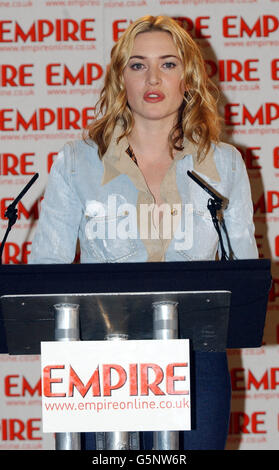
214	305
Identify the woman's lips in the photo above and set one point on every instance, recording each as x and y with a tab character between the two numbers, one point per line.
153	96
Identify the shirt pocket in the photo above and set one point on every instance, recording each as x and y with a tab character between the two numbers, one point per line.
110	237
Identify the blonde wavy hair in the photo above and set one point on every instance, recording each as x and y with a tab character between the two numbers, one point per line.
198	119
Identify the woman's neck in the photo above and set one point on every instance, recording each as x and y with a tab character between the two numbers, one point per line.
150	142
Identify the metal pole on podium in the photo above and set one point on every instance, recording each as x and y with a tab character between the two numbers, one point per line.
120	440
165	326
67	329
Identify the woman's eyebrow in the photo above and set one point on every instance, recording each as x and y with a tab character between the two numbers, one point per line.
167	56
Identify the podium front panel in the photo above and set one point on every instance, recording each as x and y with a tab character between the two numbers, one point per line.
202	317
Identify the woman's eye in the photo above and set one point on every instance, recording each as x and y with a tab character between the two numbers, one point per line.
137	66
169	65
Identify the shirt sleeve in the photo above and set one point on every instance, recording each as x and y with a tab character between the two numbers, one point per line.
57	231
238	216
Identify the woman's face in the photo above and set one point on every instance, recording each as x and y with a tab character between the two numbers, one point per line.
153	78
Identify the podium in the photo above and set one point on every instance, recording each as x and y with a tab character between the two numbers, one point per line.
220	304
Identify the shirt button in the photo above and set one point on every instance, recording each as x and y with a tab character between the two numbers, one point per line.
174	212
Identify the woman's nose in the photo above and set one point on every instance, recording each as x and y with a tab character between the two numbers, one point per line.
153	76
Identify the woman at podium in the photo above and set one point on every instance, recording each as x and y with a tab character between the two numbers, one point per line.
125	194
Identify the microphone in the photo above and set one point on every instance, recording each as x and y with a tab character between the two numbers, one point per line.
21	194
215	203
222	201
11	212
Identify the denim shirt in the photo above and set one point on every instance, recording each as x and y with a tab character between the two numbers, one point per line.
82	190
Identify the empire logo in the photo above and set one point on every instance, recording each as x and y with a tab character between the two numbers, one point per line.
243	423
237	27
18	386
40	119
136	380
56	74
42	29
59	74
237	114
246	380
11	164
233	70
22	75
17	429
